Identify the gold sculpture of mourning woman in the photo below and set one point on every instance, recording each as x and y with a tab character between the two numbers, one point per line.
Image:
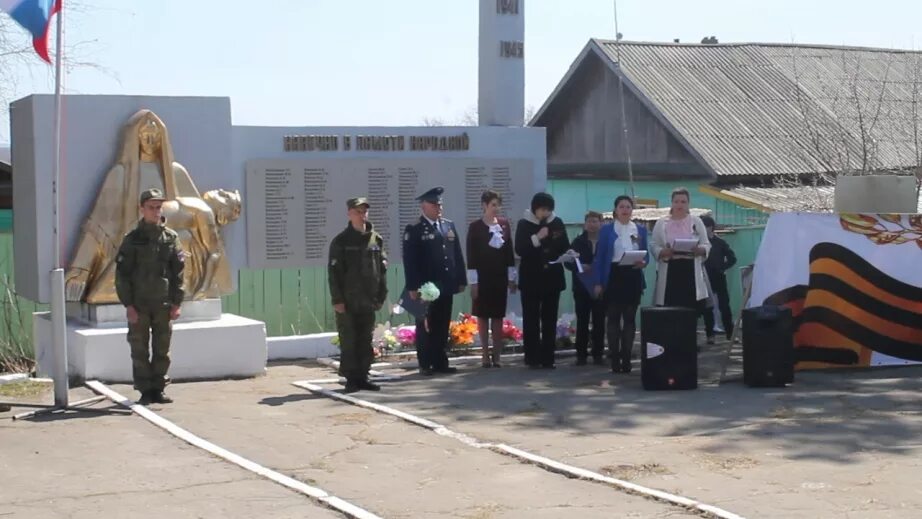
145	161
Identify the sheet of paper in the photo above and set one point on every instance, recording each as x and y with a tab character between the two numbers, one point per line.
567	257
632	256
684	244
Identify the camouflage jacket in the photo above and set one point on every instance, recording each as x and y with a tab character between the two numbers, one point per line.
357	269
149	267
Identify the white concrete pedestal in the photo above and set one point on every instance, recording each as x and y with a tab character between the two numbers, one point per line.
109	316
229	346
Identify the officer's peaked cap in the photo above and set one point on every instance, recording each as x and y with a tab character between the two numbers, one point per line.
433	196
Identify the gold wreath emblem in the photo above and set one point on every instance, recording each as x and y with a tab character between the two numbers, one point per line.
876	228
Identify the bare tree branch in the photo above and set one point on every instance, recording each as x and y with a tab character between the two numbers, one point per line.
433	121
880	104
17	57
847	120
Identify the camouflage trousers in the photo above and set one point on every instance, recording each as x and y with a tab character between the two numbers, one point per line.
150	338
355	332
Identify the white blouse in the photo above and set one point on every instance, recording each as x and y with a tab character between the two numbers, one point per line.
496	236
624	241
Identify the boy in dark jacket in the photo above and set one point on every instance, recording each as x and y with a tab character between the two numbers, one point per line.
540	238
588	308
719	260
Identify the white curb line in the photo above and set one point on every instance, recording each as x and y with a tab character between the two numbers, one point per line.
334	502
540	461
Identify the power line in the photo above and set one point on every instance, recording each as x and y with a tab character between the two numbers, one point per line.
627	147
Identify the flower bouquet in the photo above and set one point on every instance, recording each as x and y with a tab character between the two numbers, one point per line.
511	332
428	293
383	340
565	333
406	336
462	331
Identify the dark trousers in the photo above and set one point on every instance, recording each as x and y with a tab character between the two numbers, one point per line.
589	310
432	345
539	323
719	286
356	354
622	327
149	339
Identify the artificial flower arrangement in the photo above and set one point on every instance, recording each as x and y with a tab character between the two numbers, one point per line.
383	340
462	331
511	332
406	336
565	331
429	292
386	339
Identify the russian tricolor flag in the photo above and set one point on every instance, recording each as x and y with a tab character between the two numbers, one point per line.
35	16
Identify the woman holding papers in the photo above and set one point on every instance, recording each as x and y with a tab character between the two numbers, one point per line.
680	244
541	243
490	273
618	277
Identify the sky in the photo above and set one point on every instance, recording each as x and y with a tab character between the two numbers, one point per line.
399	62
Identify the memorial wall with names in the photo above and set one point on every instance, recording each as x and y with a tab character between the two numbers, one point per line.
296	206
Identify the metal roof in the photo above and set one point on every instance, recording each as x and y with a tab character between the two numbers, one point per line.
769	109
808	198
811	199
652	214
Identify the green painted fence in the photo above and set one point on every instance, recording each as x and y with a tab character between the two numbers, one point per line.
297	301
15	312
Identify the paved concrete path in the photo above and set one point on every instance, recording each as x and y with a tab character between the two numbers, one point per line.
381	463
843	444
91	466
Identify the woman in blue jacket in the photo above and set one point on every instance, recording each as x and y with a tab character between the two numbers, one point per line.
620	285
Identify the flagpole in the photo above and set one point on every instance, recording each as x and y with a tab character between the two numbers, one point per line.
58	318
56	274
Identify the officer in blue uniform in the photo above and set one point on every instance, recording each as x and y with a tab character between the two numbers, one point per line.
432	252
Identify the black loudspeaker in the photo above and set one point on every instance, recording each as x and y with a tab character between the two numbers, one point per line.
668	348
768	346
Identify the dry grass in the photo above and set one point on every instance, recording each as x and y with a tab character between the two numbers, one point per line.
14	362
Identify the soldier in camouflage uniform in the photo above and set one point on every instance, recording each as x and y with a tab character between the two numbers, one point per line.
149	282
358	287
